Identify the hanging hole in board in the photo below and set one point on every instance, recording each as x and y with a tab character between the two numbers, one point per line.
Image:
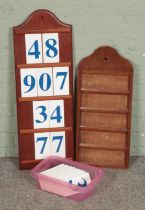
41	16
105	58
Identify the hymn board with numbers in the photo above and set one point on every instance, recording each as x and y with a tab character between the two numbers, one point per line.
44	88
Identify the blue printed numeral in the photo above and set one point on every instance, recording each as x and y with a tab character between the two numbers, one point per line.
34	50
59	139
50	47
83	184
52	50
56	115
29	81
46	144
41	81
42	48
43	140
63	75
42	113
48	113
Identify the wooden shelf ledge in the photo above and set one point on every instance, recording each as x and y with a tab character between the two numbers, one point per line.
117	166
42	31
110	92
41	130
42	98
87	109
30	161
94	146
103	129
42	65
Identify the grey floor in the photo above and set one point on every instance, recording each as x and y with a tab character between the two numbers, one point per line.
119	190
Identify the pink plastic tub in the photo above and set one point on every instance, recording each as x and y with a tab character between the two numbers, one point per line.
62	188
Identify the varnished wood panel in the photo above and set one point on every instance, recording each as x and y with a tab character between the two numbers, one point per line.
104	120
104	105
103	139
106	101
109	82
103	157
40	22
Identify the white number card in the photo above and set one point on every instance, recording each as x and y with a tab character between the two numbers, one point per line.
42	145
48	114
52	143
28	82
50	48
57	140
42	48
33	47
61	80
46	81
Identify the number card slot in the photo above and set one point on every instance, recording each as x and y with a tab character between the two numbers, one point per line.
33	45
27	152
50	47
28	82
61	80
49	144
44	81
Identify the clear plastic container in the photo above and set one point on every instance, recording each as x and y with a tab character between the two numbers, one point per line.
62	188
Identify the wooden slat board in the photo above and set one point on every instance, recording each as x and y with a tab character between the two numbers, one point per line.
104	103
44	88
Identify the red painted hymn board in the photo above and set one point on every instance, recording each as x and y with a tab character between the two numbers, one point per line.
44	88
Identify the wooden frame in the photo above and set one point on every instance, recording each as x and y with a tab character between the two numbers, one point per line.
41	22
104	104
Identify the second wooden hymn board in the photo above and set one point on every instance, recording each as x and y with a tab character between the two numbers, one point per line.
44	88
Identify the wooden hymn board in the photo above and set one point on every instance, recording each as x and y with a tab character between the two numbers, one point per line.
104	107
44	88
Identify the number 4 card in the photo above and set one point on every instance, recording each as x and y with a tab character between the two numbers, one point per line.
33	46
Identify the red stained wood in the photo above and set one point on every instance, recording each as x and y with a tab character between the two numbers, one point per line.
41	21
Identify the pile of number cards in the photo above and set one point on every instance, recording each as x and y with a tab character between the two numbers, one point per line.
69	174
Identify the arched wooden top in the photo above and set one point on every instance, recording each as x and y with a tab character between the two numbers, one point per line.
42	20
105	58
